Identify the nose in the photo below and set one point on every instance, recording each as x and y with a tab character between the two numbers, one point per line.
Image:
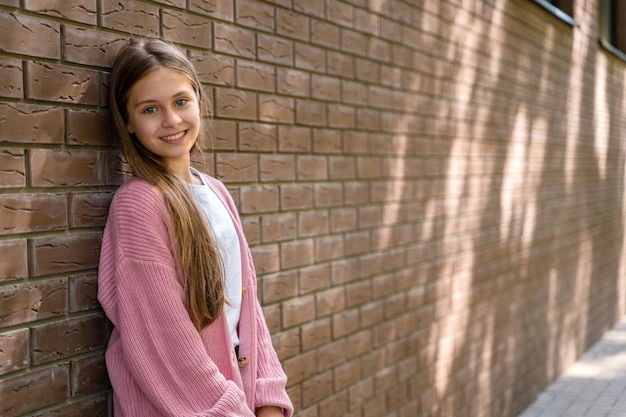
170	118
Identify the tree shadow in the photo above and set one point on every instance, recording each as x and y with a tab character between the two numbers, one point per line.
520	200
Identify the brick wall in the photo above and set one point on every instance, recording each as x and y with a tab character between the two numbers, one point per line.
433	192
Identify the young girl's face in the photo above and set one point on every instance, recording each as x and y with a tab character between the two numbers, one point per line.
164	114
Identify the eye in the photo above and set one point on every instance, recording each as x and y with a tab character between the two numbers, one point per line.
150	110
181	102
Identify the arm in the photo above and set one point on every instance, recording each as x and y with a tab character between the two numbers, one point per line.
160	346
271	379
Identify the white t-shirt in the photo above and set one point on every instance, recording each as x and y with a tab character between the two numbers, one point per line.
225	234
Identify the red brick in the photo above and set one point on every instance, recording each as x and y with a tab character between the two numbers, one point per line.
335	405
272	318
328	194
360	343
276	109
26	123
252	229
87	47
83	11
239	167
259	199
294	139
255	15
130	16
277	167
11	84
347	374
292	25
345	322
309	57
255	76
312	168
88	375
236	104
64	253
222	10
32	212
61	83
278	287
301	367
91	406
50	168
180	27
83	292
213	68
325	88
87	127
342	167
14	353
89	209
310	8
257	136
340	65
278	227
309	112
314	278
324	34
15	250
266	258
317	388
342	220
353	42
296	196
313	223
233	40
330	301
296	253
298	310
33	390
315	334
332	354
327	141
62	339
275	50
287	343
25	34
328	247
360	393
23	303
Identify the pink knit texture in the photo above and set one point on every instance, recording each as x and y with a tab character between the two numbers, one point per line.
158	363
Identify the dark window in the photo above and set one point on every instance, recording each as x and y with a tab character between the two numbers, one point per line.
563	9
566	5
613	26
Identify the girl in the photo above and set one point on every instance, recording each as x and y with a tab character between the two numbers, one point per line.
176	276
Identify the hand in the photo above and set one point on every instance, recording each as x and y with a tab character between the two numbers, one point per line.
269	411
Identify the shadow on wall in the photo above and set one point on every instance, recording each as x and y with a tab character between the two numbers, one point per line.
511	154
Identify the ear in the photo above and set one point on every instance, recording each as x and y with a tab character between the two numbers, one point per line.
130	128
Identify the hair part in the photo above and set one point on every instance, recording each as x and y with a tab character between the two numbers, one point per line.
197	249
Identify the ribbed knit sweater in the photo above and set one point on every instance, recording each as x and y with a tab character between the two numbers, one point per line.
159	364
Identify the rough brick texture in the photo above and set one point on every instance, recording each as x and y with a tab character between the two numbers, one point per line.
433	192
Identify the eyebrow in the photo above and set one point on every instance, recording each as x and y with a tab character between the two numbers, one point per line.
151	100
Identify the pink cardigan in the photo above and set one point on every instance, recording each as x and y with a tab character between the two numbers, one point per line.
158	363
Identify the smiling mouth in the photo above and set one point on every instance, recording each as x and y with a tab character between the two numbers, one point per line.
174	137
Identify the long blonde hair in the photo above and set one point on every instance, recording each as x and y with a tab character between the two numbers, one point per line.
199	255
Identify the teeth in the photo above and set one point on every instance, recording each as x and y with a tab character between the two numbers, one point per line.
173	137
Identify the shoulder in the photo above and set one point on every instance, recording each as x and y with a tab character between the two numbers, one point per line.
137	200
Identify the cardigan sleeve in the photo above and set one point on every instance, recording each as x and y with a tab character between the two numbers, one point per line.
271	379
143	298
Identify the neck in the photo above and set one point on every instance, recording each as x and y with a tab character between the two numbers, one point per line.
183	171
